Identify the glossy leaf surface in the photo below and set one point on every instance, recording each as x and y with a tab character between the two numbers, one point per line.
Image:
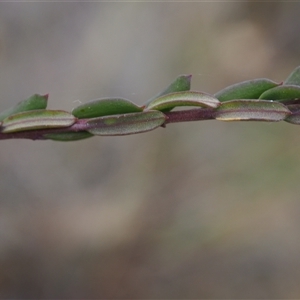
126	124
105	107
250	89
32	103
251	110
37	119
189	98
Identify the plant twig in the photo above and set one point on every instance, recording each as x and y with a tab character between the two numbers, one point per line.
252	100
198	114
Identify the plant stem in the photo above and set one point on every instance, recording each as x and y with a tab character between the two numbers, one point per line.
197	114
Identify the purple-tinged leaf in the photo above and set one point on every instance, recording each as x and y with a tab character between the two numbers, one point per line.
251	110
126	123
37	119
189	98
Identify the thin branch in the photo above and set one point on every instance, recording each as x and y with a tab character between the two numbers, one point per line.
197	114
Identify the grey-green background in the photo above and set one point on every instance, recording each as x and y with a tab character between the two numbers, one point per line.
195	210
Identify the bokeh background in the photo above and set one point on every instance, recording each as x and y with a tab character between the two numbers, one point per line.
196	210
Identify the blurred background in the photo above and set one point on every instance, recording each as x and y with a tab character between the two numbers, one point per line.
196	210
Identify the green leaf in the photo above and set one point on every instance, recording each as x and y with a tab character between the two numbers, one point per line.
180	84
294	77
105	107
37	119
126	124
251	110
68	136
250	89
282	92
190	98
34	102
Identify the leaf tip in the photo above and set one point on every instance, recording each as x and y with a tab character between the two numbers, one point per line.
46	96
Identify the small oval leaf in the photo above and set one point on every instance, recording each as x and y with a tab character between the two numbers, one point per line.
34	102
126	124
105	107
250	89
68	136
294	77
37	119
251	110
180	84
282	93
189	98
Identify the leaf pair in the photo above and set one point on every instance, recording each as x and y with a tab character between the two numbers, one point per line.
181	84
240	104
34	102
189	98
117	116
250	89
288	92
31	114
126	124
263	88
